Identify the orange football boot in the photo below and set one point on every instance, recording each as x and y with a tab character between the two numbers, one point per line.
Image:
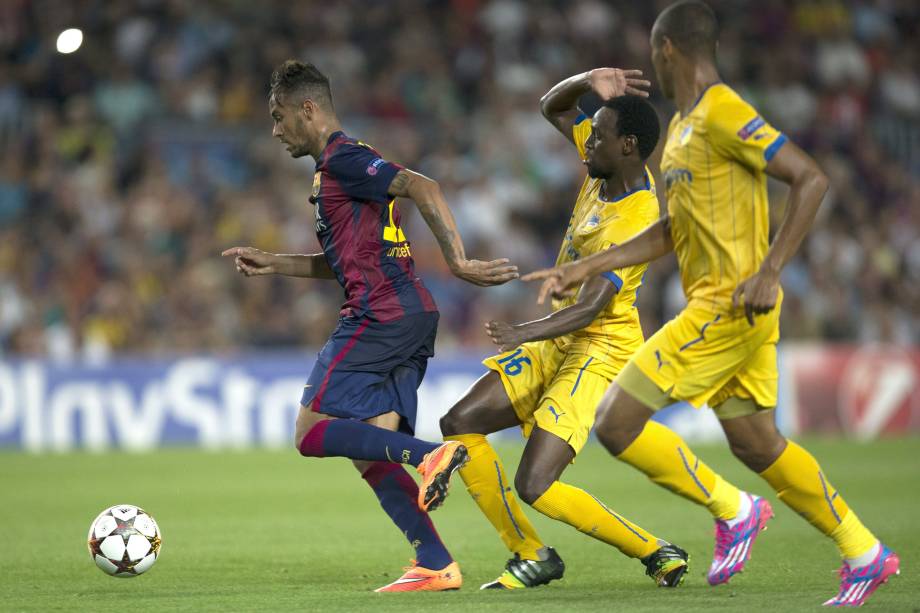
436	469
418	579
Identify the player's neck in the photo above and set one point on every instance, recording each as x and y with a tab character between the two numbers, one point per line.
327	129
691	83
618	184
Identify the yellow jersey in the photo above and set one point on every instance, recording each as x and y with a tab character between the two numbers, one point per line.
595	225
713	166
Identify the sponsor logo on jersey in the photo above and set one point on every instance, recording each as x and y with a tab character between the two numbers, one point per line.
685	135
676	175
320	222
374	166
751	127
400	251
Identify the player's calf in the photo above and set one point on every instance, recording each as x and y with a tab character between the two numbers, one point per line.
754	439
325	437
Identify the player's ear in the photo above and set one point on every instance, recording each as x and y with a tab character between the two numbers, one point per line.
630	144
667	48
308	108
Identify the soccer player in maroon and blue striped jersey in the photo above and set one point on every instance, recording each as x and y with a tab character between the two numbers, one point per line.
360	399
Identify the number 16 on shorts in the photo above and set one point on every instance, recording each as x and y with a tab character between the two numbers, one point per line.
511	363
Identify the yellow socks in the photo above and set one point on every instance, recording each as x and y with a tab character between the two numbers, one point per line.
587	514
852	537
665	458
487	483
800	483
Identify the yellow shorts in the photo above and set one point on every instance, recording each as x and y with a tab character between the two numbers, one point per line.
701	357
554	390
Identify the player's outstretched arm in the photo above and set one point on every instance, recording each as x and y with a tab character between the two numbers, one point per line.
426	193
251	262
558	104
650	244
594	296
808	185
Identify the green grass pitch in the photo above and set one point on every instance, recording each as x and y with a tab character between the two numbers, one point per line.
270	531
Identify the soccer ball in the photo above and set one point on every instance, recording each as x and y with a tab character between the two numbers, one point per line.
124	541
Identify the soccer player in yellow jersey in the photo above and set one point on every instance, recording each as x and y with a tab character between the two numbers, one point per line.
553	371
721	349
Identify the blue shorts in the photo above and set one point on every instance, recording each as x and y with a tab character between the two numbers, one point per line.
368	368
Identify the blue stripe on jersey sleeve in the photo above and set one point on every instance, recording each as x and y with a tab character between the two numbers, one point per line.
613	278
770	151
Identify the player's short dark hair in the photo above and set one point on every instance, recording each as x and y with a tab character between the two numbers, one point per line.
636	117
301	78
692	27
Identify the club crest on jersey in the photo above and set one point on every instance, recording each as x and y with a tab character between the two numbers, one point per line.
751	127
374	166
314	195
685	135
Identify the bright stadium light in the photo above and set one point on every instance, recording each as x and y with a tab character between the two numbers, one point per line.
69	40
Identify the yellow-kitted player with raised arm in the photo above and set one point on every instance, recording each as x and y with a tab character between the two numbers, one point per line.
552	372
718	154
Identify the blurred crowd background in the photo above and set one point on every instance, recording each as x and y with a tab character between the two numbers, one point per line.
129	165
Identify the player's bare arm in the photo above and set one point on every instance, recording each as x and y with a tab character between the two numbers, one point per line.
650	244
558	104
595	294
427	195
808	184
251	262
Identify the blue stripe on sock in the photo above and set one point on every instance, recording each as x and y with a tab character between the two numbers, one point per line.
619	519
692	472
828	498
578	380
501	488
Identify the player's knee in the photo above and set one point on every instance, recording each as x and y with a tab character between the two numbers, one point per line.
530	486
452	423
299	440
308	438
299	434
459	420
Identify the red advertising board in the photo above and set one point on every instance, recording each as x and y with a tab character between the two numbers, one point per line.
864	392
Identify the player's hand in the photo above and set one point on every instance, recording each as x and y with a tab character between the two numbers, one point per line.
759	293
505	335
485	274
251	261
560	282
612	82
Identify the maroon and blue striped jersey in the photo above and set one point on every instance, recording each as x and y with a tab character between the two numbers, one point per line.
357	224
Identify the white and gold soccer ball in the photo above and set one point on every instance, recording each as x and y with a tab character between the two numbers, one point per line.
124	541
